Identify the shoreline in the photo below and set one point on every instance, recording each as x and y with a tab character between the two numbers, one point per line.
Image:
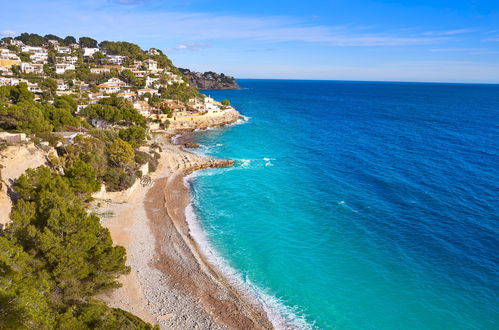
173	283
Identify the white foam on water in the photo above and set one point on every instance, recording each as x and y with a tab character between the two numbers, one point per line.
281	316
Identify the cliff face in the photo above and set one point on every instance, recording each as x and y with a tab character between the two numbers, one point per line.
210	80
14	161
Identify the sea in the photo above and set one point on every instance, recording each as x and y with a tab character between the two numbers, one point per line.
357	205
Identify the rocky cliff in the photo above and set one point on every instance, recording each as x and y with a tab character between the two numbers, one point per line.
14	161
210	80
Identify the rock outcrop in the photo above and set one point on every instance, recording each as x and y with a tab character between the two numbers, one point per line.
210	80
14	161
203	122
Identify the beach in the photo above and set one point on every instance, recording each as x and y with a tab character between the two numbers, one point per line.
171	283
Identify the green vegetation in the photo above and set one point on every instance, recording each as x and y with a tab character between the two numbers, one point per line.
26	115
134	135
54	257
87	42
123	48
225	103
179	91
125	115
31	39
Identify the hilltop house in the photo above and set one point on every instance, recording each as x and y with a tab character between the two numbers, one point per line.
4	71
108	88
60	68
61	85
68	59
31	68
15	42
100	70
127	95
142	107
87	52
6	54
174	105
153	52
151	81
152	65
144	91
117	82
34	50
63	50
34	88
115	59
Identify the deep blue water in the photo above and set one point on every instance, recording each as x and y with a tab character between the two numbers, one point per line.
361	205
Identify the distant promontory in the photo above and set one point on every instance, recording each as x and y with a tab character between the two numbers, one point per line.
210	80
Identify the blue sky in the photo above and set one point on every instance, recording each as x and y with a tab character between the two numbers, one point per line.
439	40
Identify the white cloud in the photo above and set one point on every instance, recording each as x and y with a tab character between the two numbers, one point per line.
193	46
444	50
8	33
449	32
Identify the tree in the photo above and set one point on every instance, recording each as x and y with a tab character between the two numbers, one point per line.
128	77
50	223
25	116
49	87
69	40
134	135
31	39
21	93
82	178
97	56
53	37
225	103
87	42
120	153
25	57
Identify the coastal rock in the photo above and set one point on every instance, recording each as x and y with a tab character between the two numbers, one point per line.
191	145
190	124
210	80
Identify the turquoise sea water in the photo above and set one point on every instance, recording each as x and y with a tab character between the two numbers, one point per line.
360	205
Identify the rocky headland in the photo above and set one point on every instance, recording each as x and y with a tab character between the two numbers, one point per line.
210	80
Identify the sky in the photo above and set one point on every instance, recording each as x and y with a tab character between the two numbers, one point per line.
384	40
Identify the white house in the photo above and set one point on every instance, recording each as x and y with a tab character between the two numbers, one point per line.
39	58
63	50
143	91
33	88
6	54
60	68
127	95
34	50
109	88
61	85
87	52
152	65
31	68
116	82
15	42
68	59
99	70
151	81
153	51
115	59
